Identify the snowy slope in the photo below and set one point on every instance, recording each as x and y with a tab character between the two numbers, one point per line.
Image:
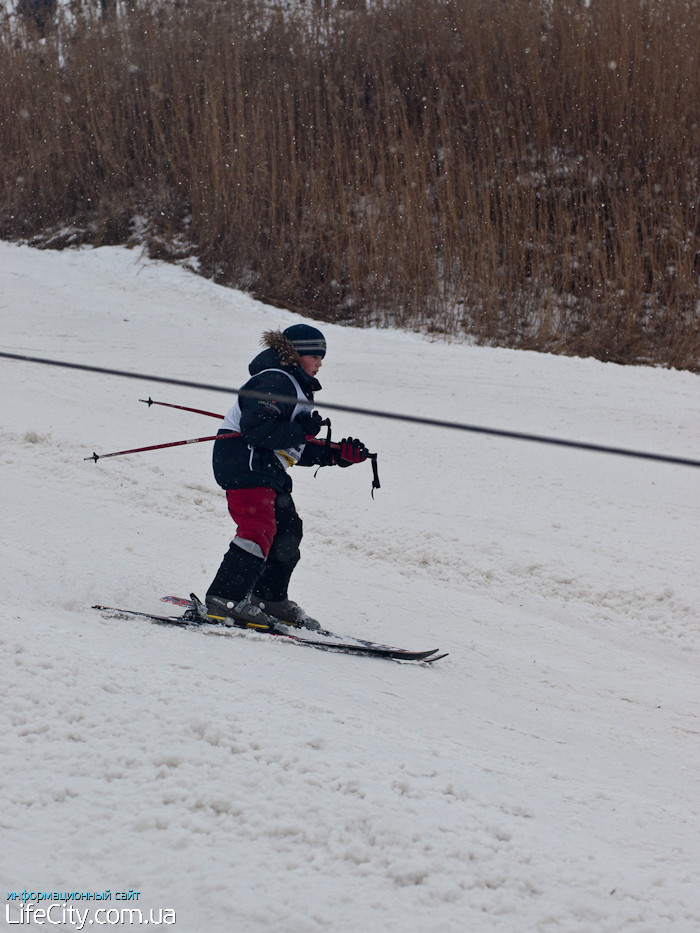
544	777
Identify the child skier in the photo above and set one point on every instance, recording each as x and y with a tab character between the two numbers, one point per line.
250	587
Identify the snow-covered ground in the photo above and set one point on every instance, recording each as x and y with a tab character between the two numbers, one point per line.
543	777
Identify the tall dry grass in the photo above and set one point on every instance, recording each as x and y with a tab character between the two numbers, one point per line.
522	173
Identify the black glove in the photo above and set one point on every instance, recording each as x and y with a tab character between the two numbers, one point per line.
310	421
351	451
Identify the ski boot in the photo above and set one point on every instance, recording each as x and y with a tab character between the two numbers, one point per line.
287	611
242	614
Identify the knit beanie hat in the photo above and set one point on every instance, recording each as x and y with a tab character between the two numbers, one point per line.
306	340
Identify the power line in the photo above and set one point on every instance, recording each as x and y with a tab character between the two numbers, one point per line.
375	413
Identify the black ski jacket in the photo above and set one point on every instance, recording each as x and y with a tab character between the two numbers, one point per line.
270	439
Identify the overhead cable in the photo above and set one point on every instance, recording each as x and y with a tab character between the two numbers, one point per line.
375	413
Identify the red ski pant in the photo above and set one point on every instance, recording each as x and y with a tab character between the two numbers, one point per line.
253	510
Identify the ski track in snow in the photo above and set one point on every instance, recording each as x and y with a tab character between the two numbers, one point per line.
543	777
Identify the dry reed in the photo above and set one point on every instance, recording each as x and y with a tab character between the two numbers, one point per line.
522	174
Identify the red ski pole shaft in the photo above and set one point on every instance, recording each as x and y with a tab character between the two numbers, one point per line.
138	450
198	411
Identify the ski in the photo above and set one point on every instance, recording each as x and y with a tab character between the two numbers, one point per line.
184	621
188	604
190	620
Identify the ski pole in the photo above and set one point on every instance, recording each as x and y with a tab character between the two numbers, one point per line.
327	443
198	411
138	450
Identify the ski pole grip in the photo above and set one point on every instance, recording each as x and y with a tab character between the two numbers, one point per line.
375	473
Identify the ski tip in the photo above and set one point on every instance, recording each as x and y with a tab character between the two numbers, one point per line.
414	655
437	657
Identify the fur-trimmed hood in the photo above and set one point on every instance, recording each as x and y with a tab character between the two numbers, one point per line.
287	352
